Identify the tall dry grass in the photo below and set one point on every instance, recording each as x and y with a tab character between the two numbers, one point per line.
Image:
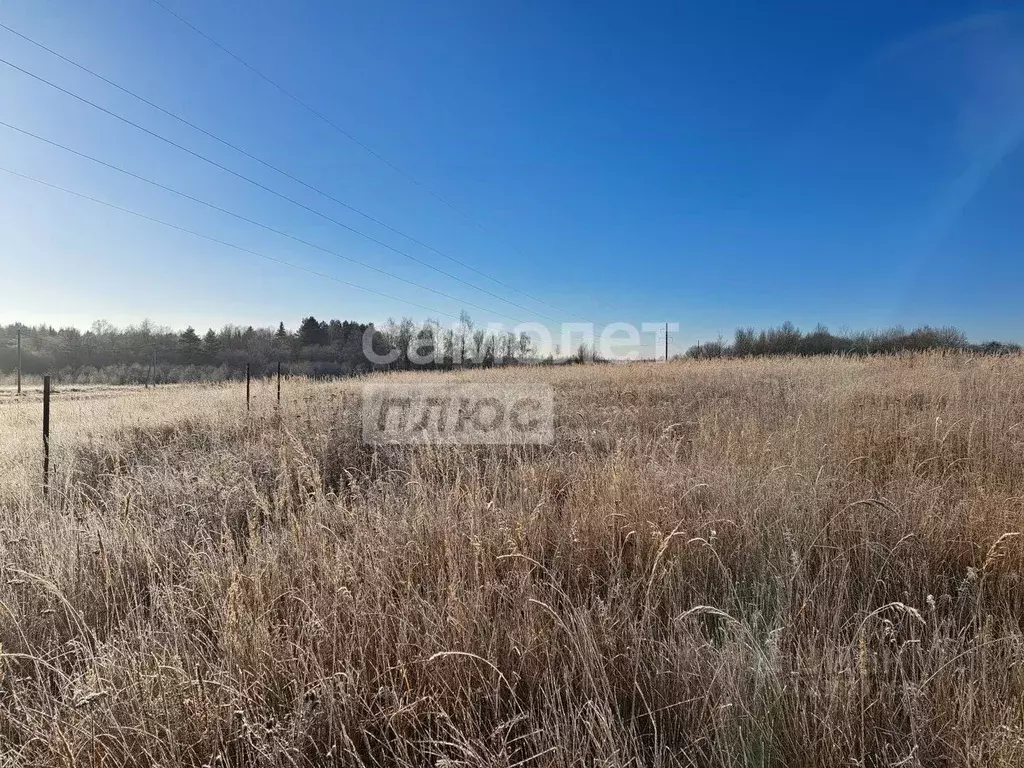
759	563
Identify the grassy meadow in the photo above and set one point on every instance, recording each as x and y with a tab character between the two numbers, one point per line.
774	562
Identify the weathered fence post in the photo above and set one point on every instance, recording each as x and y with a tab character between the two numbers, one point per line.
278	384
19	359
46	435
248	378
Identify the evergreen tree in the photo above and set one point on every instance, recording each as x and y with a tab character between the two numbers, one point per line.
313	333
211	347
188	344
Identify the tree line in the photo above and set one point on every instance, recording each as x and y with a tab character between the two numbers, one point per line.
147	353
787	339
143	353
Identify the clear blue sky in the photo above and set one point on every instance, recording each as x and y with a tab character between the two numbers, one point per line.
711	163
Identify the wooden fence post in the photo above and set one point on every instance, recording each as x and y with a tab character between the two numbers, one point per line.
19	359
248	378
278	384
46	435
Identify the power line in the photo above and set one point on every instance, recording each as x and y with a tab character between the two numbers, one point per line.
407	176
273	191
273	167
219	241
247	220
313	111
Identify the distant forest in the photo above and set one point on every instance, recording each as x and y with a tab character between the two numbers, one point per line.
790	340
145	353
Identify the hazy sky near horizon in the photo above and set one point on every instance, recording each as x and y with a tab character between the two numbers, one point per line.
712	164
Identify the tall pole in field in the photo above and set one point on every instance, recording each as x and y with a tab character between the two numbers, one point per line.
666	342
247	379
19	359
46	435
279	384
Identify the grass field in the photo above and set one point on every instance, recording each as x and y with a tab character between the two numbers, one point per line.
739	563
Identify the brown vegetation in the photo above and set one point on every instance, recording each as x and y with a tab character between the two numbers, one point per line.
779	562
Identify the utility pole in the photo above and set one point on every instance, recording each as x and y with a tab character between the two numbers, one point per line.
19	358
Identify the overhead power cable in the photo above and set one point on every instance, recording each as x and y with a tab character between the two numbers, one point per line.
315	112
248	220
218	241
273	167
272	191
319	115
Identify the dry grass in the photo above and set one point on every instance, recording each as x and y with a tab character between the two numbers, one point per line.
764	563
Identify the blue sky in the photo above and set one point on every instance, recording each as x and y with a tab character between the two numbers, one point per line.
710	164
